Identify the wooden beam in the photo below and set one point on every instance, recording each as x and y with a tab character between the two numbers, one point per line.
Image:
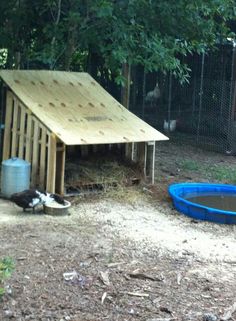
14	142
134	152
99	148
151	161
95	148
60	169
51	166
7	130
142	157
35	155
125	97
146	159
84	151
22	132
28	147
128	151
42	161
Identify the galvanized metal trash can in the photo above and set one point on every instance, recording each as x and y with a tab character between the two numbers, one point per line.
15	176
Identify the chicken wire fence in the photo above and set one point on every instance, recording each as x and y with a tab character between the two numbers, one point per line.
200	112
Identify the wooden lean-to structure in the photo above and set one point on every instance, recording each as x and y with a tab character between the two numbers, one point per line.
45	111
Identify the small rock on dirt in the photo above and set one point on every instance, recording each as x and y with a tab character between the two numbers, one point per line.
209	317
9	314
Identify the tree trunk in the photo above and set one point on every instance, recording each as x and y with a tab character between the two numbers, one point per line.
71	45
125	94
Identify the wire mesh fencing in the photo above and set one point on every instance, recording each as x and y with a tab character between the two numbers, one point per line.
201	111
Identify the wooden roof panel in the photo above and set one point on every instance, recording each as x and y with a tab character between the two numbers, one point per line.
76	108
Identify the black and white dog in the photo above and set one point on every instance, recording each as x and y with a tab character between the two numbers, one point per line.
31	198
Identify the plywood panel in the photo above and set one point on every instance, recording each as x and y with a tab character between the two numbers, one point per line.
7	130
77	109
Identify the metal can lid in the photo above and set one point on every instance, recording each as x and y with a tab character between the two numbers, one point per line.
15	162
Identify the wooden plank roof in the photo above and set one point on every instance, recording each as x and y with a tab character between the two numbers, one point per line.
76	108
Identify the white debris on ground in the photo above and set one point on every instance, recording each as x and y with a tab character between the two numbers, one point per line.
166	229
149	225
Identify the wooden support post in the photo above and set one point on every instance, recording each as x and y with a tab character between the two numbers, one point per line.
60	169
14	143
146	159
134	152
35	162
7	130
99	148
128	151
151	161
22	133
51	166
95	148
28	147
125	97
42	165
84	150
142	157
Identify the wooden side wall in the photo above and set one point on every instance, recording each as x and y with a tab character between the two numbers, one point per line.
27	138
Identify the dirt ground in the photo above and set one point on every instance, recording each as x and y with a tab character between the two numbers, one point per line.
131	258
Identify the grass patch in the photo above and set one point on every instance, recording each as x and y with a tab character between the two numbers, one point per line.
189	165
219	173
6	268
222	174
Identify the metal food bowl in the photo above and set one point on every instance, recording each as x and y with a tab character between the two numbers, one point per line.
54	208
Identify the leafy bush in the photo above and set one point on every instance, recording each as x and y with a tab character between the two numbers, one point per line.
6	268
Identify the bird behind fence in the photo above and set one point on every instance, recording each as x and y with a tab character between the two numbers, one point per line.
170	126
153	95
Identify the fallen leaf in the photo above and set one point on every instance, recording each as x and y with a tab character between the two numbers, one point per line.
105	278
179	278
103	297
143	276
138	294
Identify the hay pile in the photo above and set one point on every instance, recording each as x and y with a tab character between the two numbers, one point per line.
103	172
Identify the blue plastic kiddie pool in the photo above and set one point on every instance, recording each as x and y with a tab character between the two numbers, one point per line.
203	201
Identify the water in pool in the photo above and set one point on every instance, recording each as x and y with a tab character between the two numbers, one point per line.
221	201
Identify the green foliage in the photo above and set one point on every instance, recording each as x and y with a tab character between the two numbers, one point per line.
222	174
55	34
3	57
6	268
216	172
189	165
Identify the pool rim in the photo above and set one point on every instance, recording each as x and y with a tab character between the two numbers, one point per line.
177	187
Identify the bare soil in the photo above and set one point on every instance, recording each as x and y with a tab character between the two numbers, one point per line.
132	260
